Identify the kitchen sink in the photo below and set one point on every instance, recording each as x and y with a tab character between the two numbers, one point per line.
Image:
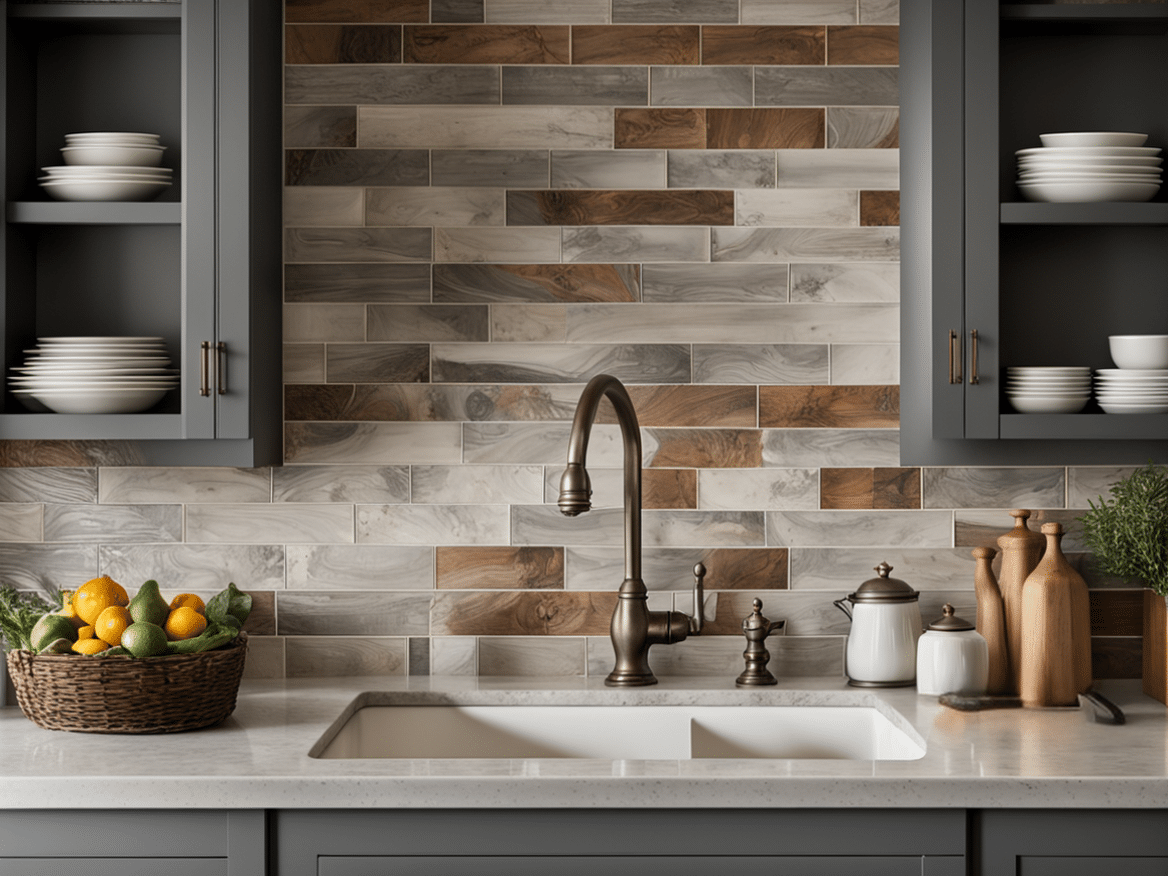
620	732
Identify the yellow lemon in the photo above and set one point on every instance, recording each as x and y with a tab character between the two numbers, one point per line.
190	600
95	596
89	646
184	623
85	632
111	623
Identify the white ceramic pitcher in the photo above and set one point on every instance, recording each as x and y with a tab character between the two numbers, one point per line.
886	623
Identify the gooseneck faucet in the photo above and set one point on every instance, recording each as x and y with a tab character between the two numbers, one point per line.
634	628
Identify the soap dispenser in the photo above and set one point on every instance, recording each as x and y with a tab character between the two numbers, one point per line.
952	657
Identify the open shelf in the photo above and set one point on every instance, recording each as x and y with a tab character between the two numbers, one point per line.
1104	213
94	212
100	427
1128	427
1084	18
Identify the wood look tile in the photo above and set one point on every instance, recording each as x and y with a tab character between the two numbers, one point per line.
708	86
357	283
309	126
1117	657
535	323
391	84
325	656
427	402
522	613
454	655
576	86
518	168
547	11
806	244
799	12
1090	484
870	488
879	11
772	489
372	443
727	168
323	322
879	208
839	167
901	529
562	656
725	282
114	523
341	483
303	363
431	206
356	10
356	167
636	44
835	87
201	568
632	243
797	207
816	407
596	169
61	485
163	484
456	11
342	44
865	364
20	522
863	44
621	207
366	245
499	568
536	283
761	44
432	524
706	448
42	568
563	363
427	323
323	206
486	44
852	127
681	128
278	524
469	244
669	11
360	613
377	363
727	406
985	487
836	447
470	484
1117	612
67	454
846	282
512	127
669	488
765	128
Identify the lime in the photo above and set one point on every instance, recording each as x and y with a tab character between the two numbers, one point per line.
148	605
50	628
143	639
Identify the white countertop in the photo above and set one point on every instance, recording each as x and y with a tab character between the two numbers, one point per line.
258	758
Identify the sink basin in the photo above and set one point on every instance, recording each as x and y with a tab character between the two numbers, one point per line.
622	732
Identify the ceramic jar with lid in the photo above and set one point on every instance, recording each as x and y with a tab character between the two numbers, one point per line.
952	657
886	623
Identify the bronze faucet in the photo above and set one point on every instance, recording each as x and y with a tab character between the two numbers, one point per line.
634	628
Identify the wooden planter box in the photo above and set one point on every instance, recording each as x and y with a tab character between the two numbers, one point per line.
1155	646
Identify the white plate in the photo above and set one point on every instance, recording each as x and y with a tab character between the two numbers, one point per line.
1119	408
104	170
1146	162
1093	138
1048	390
92	401
1106	178
1132	372
113	135
1087	192
1048	405
91	154
101	339
114	190
1090	151
1048	369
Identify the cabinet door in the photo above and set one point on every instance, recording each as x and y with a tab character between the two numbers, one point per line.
603	865
1068	842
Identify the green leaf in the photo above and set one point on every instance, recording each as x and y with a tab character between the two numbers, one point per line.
1128	533
19	612
229	602
215	636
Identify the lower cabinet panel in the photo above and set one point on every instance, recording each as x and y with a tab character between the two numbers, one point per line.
114	866
600	865
1091	866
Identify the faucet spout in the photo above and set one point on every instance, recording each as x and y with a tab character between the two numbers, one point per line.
633	628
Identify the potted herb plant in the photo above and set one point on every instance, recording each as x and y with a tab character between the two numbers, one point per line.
18	613
1128	535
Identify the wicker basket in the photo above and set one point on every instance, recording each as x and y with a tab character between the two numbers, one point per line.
123	695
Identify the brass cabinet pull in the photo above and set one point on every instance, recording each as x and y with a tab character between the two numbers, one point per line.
973	356
221	367
205	368
954	357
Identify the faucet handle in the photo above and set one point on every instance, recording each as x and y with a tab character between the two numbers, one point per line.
698	620
756	628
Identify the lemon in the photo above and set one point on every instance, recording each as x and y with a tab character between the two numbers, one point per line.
184	623
111	623
94	596
190	600
144	639
89	646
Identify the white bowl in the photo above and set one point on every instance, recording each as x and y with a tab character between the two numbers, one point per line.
1123	408
1049	405
1139	351
98	190
1088	151
65	171
106	154
1048	370
1093	138
95	401
1089	175
1087	192
112	137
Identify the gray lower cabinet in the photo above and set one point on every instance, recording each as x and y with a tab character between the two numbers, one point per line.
195	842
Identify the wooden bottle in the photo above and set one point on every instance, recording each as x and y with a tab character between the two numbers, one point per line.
1021	549
1056	629
991	622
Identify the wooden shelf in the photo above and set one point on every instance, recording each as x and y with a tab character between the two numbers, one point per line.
94	212
1103	213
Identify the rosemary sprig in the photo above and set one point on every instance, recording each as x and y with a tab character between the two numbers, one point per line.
1128	533
19	612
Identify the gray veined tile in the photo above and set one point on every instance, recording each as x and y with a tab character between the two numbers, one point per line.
357	244
900	529
843	569
862	127
252	524
195	567
839	167
993	487
303	363
364	84
537	444
544	524
575	85
324	322
21	522
672	11
632	243
704	528
503	245
701	86
373	443
350	168
351	283
323	205
428	323
782	448
265	657
506	127
455	283
331	656
113	523
456	11
62	485
608	169
545	12
722	168
723	281
761	363
341	483
43	568
167	485
876	281
515	168
806	244
308	126
601	568
360	567
879	11
434	205
830	86
798	207
529	323
778	489
984	528
454	655
865	364
1093	484
559	363
359	613
377	363
433	524
799	12
475	484
531	655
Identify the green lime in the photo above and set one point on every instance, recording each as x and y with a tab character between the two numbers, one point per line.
149	606
143	639
50	628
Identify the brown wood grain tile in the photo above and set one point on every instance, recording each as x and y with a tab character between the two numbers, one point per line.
670	128
777	44
377	363
1117	612
636	44
486	44
689	405
1116	657
522	613
621	207
669	488
358	11
342	44
746	569
341	401
549	283
863	44
261	621
829	407
879	208
870	488
707	448
499	568
67	454
765	128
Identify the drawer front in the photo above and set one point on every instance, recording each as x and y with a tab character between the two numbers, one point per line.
600	865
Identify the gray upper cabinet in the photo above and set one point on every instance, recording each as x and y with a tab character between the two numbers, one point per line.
990	280
200	265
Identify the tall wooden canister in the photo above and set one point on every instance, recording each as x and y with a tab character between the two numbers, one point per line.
1021	549
991	622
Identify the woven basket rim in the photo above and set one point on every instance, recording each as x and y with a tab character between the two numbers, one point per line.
26	654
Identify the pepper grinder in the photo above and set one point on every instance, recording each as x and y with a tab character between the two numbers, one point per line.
756	628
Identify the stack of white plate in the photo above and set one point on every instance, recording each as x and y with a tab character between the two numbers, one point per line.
108	166
1048	390
1090	166
1132	390
94	375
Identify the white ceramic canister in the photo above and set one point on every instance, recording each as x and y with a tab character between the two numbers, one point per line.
952	657
886	623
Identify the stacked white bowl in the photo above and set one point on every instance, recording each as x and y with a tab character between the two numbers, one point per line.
108	166
1048	390
1090	166
1140	384
94	375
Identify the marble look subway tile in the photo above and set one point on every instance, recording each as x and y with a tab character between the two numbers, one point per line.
323	322
303	363
517	168
870	488
428	323
621	207
778	489
606	169
1093	484
454	655
342	44
166	485
536	444
706	86
63	485
544	524
372	283
806	613
763	44
43	568
360	567
725	168
355	167
818	447
671	569
497	244
636	44
532	655
575	86
368	85
547	11
635	243
341	483
419	655
843	168
520	613
875	282
499	568
113	523
984	487
974	528
373	443
667	11
469	484
489	44
196	567
536	283
377	363
357	244
265	657
829	407
765	127
795	207
863	44
704	448
506	127
670	528
853	364
529	323
323	205
880	11
330	656
760	363
430	403
364	11
422	205
843	569
560	363
904	529
826	86
793	657
798	12
679	128
862	127
726	282
805	244
251	524
307	126
432	524
21	522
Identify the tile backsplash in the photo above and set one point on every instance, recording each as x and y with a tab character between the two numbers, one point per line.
487	203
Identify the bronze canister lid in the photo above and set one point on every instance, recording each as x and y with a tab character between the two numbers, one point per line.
949	622
884	589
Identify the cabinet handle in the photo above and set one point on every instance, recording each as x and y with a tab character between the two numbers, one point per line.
205	368
973	356
221	367
954	357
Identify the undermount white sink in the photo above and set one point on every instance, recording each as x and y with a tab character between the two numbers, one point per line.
621	732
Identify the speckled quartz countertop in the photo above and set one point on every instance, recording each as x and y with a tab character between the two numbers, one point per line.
259	757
